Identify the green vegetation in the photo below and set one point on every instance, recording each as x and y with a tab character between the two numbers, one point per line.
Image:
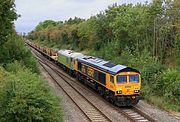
144	36
7	16
24	96
14	49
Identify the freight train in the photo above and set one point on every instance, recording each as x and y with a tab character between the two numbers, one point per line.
117	83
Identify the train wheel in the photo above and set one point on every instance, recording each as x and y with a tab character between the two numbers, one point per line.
100	90
112	98
69	72
78	77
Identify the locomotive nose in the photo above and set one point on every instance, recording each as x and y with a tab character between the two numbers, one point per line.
128	89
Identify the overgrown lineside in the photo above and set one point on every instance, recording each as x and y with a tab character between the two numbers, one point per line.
24	96
143	36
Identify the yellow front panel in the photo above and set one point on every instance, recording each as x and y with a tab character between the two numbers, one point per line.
128	88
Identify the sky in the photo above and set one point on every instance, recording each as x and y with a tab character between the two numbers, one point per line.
33	12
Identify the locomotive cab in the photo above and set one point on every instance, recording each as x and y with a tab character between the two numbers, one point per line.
128	83
127	86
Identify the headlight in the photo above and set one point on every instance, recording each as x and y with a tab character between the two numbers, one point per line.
136	91
119	92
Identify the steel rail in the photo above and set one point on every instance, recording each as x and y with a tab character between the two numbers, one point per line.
103	118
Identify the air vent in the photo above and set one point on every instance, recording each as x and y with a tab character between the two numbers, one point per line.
89	58
96	60
110	64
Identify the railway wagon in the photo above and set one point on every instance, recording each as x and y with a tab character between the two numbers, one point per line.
51	52
48	52
118	83
67	60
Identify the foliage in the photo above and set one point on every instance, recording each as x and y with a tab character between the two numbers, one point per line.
143	36
152	26
7	16
25	97
75	20
47	24
14	49
171	78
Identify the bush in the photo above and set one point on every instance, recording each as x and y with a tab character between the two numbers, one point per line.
31	63
171	78
25	97
14	49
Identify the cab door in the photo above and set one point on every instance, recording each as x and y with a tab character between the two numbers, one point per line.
110	82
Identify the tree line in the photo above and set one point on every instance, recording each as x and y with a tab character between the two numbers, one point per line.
153	26
144	36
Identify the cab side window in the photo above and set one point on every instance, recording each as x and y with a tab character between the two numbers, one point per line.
112	79
102	78
79	66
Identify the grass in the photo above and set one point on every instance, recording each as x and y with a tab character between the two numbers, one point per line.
162	103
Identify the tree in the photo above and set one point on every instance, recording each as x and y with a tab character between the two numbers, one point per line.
46	25
7	16
76	20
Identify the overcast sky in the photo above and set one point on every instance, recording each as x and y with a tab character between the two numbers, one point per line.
34	11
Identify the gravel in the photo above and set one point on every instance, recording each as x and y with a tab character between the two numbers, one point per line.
71	112
158	114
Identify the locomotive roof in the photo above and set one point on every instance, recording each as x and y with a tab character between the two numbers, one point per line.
103	65
69	53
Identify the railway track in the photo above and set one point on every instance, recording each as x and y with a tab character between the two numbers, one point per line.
91	111
133	113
